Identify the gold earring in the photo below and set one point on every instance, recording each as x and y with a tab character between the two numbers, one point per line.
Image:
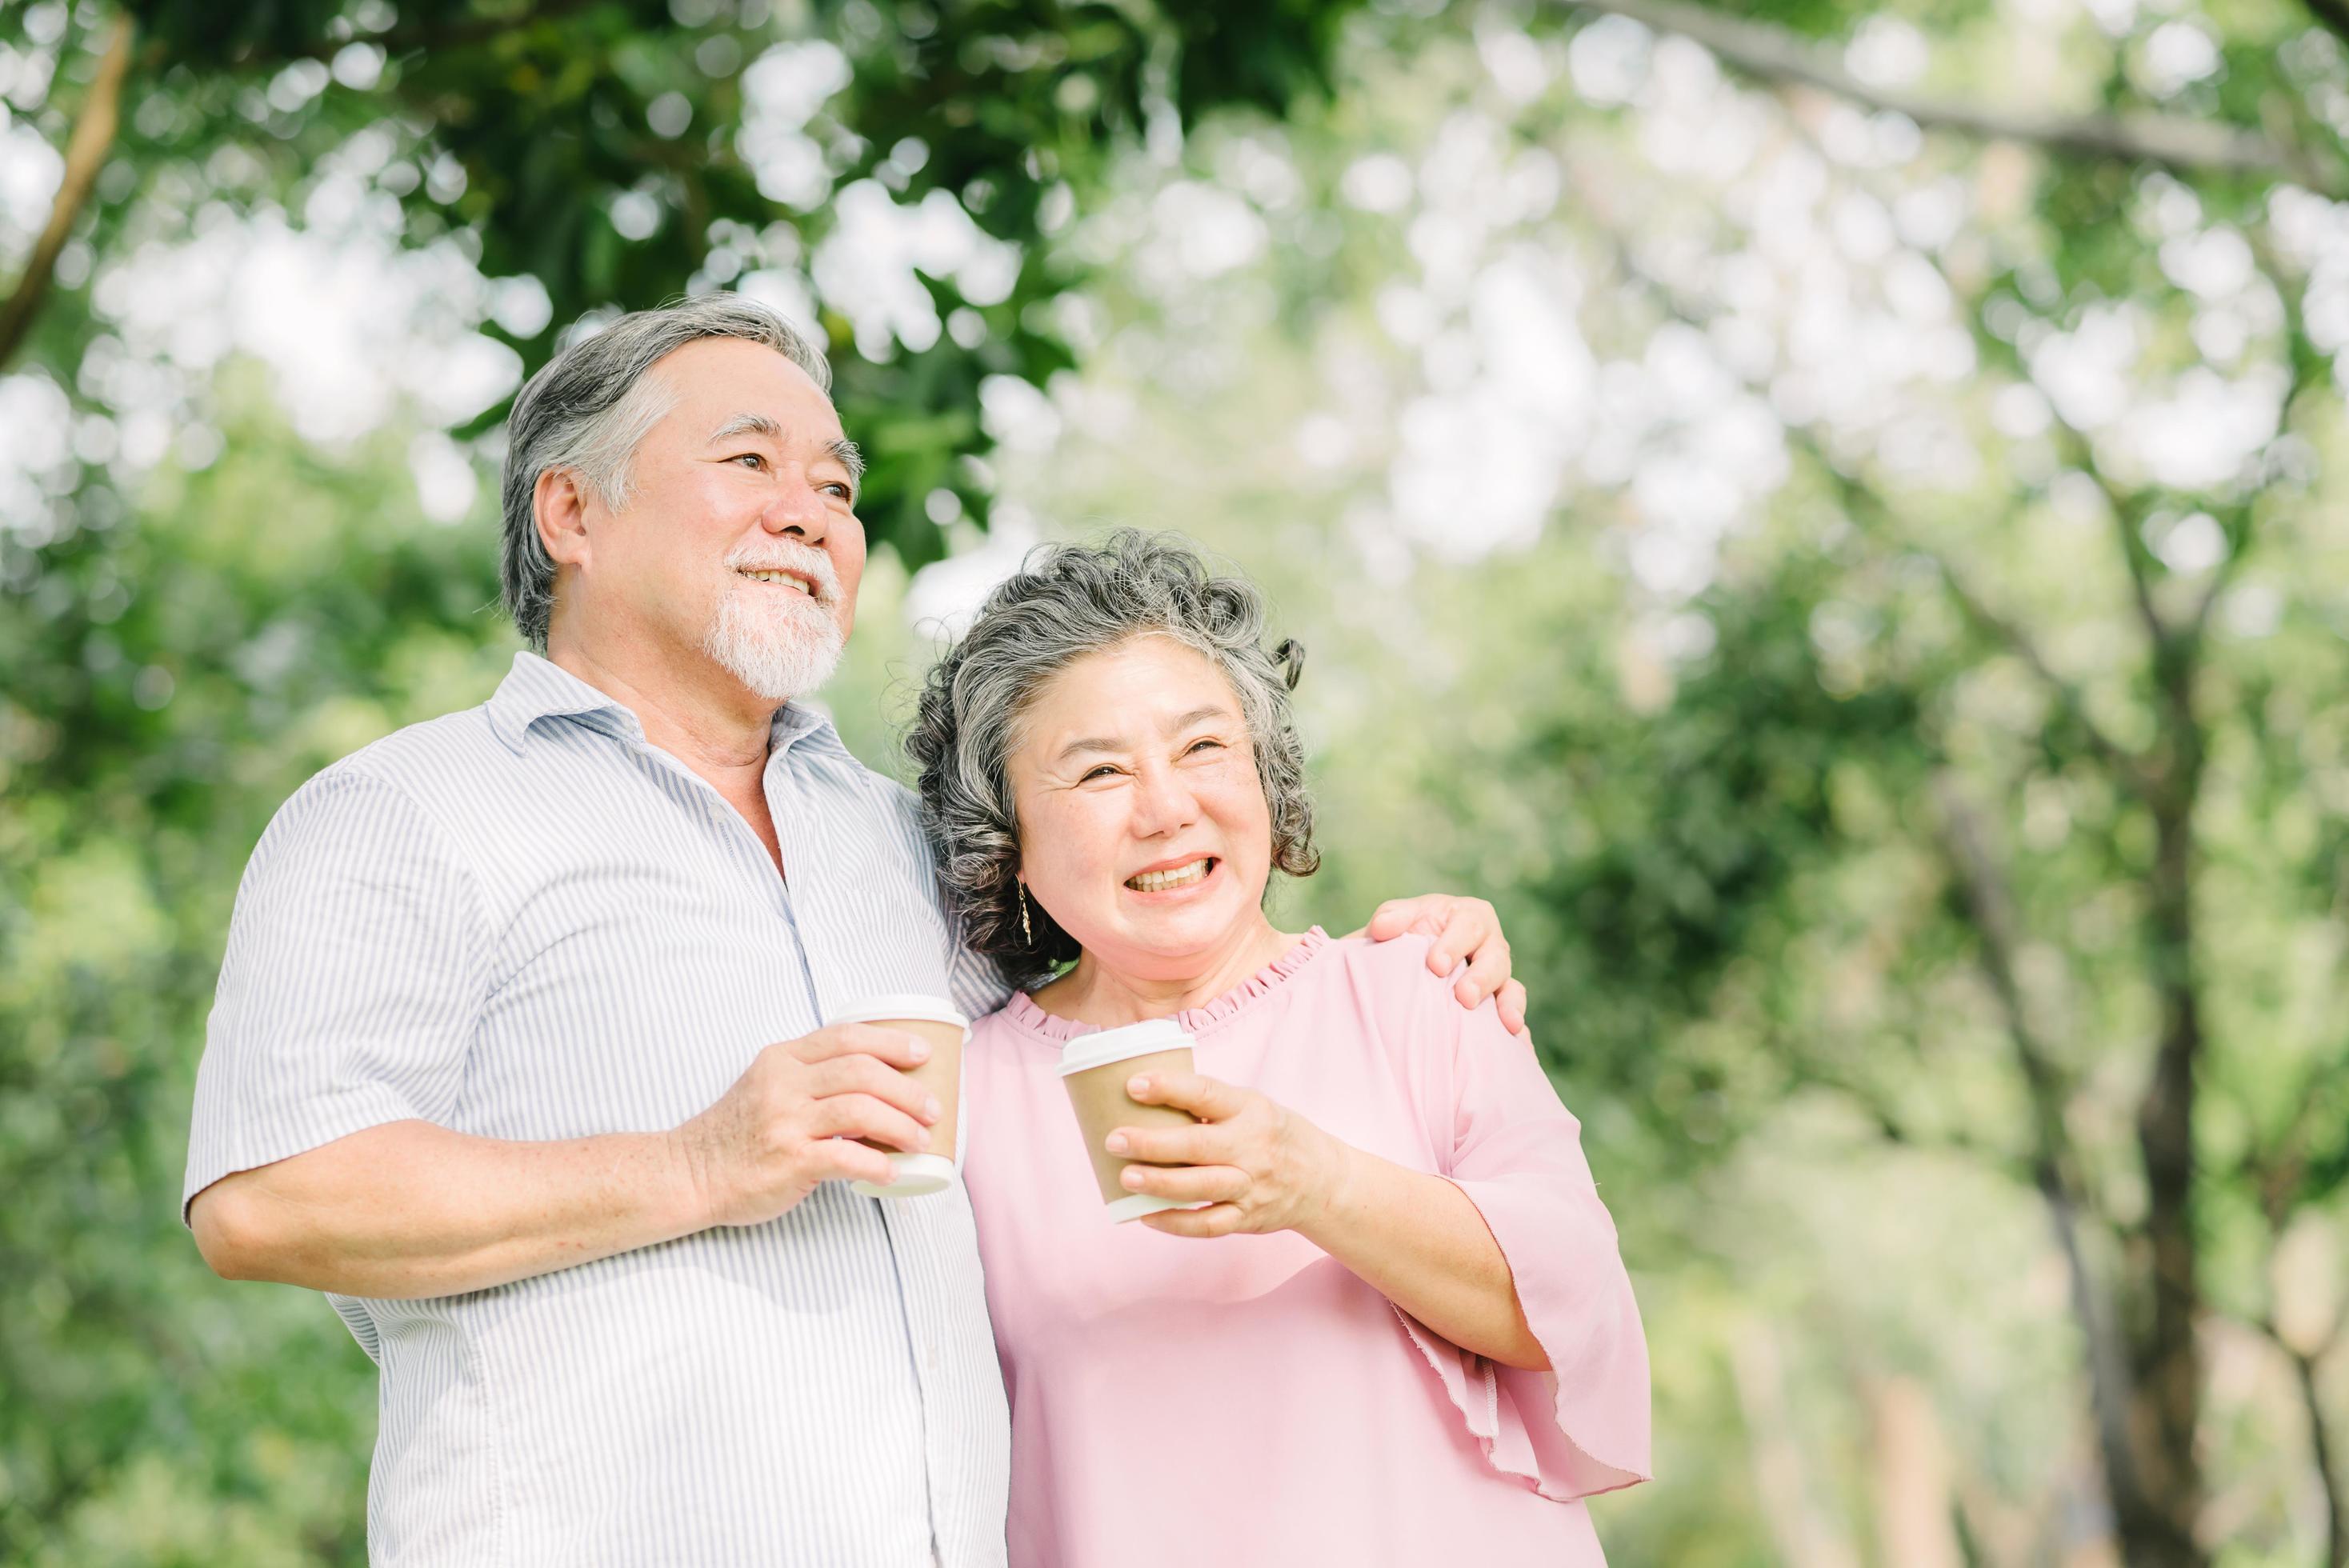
1026	936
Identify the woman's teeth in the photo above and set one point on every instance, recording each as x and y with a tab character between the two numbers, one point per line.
1182	876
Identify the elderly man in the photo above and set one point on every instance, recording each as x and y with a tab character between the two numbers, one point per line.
517	1051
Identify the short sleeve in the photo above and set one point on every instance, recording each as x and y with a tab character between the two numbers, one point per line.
352	984
1581	1428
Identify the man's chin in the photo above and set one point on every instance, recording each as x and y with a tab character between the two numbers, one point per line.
773	668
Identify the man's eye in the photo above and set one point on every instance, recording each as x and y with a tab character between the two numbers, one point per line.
842	491
751	457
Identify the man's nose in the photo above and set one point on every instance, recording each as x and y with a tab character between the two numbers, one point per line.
796	509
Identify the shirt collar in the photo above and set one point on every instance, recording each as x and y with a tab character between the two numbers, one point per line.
537	688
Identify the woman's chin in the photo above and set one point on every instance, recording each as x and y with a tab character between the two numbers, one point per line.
1153	933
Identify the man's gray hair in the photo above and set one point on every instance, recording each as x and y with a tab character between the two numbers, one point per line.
1065	602
588	408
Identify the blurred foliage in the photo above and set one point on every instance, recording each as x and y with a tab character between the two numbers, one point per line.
524	131
1740	832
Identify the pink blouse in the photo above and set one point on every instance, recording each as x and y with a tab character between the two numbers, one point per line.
1250	1400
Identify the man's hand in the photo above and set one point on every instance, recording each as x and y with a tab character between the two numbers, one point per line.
1260	1165
1466	928
790	1121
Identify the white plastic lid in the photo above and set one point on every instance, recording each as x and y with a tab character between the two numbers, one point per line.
1133	1205
900	1005
918	1175
1141	1039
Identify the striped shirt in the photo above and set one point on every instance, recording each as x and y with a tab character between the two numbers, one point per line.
524	922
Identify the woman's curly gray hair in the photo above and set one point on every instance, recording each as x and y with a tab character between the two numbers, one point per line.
1065	602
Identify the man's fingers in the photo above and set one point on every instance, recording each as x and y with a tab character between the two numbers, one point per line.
857	1073
1221	1219
1209	1099
862	1116
1468	925
1513	1008
1201	1145
1489	968
1189	1184
898	1047
844	1159
1392	918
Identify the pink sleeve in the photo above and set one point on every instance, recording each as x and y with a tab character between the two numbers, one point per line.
1581	1428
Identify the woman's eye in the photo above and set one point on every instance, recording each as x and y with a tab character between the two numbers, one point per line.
1103	771
1197	744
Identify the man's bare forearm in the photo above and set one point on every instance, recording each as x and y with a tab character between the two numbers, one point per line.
410	1209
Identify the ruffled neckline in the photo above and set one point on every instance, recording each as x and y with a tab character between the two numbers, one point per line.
1023	1011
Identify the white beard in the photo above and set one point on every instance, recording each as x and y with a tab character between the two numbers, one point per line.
781	650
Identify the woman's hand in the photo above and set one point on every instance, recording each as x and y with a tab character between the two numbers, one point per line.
1260	1165
1466	928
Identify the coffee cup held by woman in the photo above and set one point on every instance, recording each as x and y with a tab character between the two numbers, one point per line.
1393	1327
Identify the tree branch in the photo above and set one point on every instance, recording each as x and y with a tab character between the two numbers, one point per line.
1991	904
2320	1433
1868	510
454	35
2182	145
2304	369
1859	499
85	150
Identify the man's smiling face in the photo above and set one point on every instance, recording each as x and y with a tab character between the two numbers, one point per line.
739	540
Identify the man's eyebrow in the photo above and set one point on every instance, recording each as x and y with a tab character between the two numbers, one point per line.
1113	744
746	425
844	453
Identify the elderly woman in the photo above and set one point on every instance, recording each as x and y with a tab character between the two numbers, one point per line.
1396	1328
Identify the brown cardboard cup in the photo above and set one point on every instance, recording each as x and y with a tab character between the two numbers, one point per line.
938	1021
1095	1067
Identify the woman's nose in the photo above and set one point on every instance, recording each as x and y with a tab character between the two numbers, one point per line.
1162	802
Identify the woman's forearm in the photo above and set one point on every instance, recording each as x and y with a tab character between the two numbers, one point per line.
1420	1242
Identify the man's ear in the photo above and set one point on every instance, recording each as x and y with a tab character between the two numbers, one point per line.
559	507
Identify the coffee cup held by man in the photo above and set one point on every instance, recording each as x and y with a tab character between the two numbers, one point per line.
518	1051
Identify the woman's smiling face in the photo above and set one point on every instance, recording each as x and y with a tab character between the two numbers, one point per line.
1142	824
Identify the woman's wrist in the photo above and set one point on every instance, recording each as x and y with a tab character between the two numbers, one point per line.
1330	1165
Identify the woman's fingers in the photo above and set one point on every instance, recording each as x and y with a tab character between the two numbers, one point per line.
1170	1145
1189	1184
1220	1220
1209	1099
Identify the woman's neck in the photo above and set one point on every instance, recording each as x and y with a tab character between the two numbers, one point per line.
1099	992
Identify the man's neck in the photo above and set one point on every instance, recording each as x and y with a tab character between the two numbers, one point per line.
702	717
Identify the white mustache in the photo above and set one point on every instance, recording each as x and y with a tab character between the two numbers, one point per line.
813	564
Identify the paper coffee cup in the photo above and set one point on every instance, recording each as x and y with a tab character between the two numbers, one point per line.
941	1023
1095	1069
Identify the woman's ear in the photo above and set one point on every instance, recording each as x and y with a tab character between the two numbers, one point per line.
559	507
